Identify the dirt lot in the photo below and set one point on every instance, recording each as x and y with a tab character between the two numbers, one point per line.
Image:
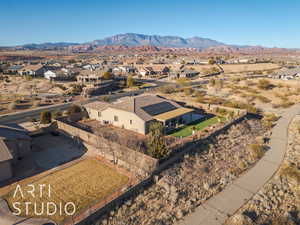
82	184
17	93
239	68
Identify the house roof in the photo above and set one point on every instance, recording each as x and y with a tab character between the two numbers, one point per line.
172	114
5	154
97	105
289	72
32	67
12	132
144	106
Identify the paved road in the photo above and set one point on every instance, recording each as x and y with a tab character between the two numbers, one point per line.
27	115
217	209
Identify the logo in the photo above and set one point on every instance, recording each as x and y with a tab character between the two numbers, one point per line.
35	200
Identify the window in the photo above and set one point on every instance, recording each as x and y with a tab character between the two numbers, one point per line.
130	121
99	114
116	119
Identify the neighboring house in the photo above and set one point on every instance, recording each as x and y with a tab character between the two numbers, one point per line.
124	69
184	73
32	70
154	70
288	74
15	143
13	69
62	74
50	74
138	112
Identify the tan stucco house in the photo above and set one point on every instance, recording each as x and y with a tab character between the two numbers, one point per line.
15	143
137	112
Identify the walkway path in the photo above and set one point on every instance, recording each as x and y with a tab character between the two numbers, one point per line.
217	209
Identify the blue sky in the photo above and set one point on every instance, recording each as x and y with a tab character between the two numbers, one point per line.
247	22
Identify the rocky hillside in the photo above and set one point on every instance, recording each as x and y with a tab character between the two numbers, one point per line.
278	202
187	184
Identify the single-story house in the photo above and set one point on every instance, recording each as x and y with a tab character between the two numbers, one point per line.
184	73
15	143
288	73
136	113
32	70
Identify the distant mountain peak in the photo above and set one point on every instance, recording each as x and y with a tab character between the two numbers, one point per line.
134	39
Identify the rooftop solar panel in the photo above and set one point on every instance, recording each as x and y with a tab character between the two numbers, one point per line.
159	108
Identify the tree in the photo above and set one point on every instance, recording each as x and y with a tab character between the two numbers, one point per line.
56	114
157	147
73	110
211	61
107	76
130	81
45	117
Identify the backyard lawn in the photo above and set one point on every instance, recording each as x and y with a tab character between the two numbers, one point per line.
199	125
82	184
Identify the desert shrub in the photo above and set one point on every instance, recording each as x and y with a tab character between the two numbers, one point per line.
286	104
130	82
77	89
263	99
62	87
256	151
183	81
282	221
271	117
45	117
265	84
105	98
107	76
169	89
240	105
73	109
56	114
292	173
188	91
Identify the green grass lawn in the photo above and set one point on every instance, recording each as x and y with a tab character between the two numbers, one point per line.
199	125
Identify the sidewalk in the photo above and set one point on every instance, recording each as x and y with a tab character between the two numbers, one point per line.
218	208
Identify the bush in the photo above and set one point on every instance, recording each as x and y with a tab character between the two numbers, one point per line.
188	91
256	151
292	173
77	89
130	81
105	98
265	84
73	110
56	114
263	99
167	89
45	117
107	76
183	81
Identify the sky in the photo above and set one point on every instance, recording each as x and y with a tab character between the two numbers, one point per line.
269	23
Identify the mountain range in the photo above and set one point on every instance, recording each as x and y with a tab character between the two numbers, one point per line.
133	40
142	42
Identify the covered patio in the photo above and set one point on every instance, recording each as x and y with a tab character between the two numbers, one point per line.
177	117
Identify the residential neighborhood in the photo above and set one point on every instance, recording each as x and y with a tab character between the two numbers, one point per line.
149	113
